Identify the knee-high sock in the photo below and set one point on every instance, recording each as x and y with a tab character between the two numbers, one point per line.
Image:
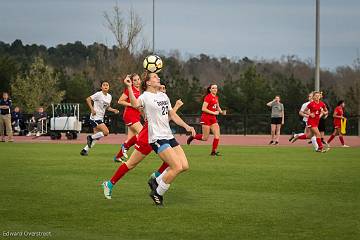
86	148
198	137
331	138
163	167
130	142
318	140
302	136
97	135
342	140
159	178
314	143
215	144
162	188
122	170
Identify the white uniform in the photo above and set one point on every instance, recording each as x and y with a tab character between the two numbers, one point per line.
101	103
302	110
156	108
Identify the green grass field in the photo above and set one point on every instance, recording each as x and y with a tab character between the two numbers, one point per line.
249	193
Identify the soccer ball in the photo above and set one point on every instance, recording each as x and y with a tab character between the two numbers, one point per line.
153	63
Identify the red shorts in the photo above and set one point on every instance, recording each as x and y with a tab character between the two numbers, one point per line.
208	119
337	125
143	147
312	123
130	119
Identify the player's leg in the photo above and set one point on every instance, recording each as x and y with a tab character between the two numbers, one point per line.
215	129
2	134
133	130
317	134
272	133
205	127
277	133
135	158
341	138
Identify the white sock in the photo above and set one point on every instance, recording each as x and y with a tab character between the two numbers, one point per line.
93	142
162	188
86	148
314	143
97	135
159	178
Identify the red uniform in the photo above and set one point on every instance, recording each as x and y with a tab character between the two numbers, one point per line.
339	112
213	102
131	115
142	142
316	109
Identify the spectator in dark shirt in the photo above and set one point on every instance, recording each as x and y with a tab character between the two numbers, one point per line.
5	117
38	120
17	121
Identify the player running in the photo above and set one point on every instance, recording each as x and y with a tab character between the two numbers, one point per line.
157	109
315	110
131	118
210	109
338	116
102	100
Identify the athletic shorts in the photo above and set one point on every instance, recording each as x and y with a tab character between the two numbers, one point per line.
162	144
130	119
312	123
143	147
321	125
94	123
337	124
276	120
208	119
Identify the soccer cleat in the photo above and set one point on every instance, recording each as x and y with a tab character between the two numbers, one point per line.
276	143
153	184
215	154
345	146
327	144
89	140
123	151
158	199
189	140
83	152
292	137
107	187
271	142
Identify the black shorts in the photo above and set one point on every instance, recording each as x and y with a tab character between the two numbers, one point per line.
94	123
321	125
162	144
276	120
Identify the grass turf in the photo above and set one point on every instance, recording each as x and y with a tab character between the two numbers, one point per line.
249	193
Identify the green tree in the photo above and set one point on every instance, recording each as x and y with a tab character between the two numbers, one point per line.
37	87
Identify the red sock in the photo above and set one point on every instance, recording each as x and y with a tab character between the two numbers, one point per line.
163	167
130	142
215	144
318	140
119	154
303	137
198	137
122	170
331	138
342	140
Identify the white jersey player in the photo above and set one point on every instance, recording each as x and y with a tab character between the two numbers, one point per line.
102	100
158	110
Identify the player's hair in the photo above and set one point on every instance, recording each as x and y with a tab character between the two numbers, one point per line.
146	78
208	89
133	75
340	102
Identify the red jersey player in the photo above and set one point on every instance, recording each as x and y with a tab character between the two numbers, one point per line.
210	109
338	115
315	110
131	118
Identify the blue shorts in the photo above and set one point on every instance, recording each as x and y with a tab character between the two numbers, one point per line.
94	123
162	144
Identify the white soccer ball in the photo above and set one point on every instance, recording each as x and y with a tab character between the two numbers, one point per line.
153	63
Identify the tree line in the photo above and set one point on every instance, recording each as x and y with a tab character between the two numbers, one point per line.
39	75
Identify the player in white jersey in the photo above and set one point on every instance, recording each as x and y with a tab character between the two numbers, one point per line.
102	100
305	116
157	109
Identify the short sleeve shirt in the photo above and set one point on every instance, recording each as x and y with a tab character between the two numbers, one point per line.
101	103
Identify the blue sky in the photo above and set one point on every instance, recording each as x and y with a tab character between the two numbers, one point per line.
262	29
